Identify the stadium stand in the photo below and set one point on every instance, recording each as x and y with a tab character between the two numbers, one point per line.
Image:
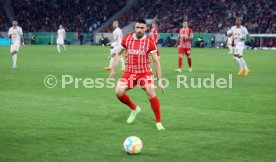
213	16
4	26
40	15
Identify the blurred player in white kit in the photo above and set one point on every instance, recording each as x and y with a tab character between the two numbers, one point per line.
16	34
61	34
239	35
115	44
230	41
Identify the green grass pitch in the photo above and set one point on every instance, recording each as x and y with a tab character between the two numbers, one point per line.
80	124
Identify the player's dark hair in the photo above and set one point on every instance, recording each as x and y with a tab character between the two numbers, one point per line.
142	21
185	20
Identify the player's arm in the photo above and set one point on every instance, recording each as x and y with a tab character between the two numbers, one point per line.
246	34
191	36
157	67
114	40
157	37
22	37
64	34
115	62
177	42
9	33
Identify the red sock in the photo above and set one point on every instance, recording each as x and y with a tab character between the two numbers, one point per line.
126	100
155	105
190	61
179	62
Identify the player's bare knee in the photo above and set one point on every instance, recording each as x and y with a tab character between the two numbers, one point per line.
150	91
119	92
120	89
152	95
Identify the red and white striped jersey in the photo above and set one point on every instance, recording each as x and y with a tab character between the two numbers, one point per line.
137	53
183	34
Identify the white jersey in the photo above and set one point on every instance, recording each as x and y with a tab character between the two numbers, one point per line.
229	37
16	33
239	34
118	33
61	34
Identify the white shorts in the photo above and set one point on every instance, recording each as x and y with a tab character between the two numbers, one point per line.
14	47
60	41
113	51
238	49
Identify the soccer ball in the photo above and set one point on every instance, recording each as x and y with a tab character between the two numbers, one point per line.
133	145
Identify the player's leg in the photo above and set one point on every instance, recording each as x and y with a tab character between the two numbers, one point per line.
123	67
14	50
147	85
243	63
180	56
188	54
123	85
58	47
111	60
64	47
230	48
236	58
112	56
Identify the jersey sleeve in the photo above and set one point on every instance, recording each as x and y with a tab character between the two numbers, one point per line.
152	46
9	32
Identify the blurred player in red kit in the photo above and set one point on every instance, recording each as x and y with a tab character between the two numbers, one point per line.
138	71
183	43
154	35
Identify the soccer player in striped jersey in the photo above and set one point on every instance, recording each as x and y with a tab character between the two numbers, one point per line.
154	35
138	71
183	43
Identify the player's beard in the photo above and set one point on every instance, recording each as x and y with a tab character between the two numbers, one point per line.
139	35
